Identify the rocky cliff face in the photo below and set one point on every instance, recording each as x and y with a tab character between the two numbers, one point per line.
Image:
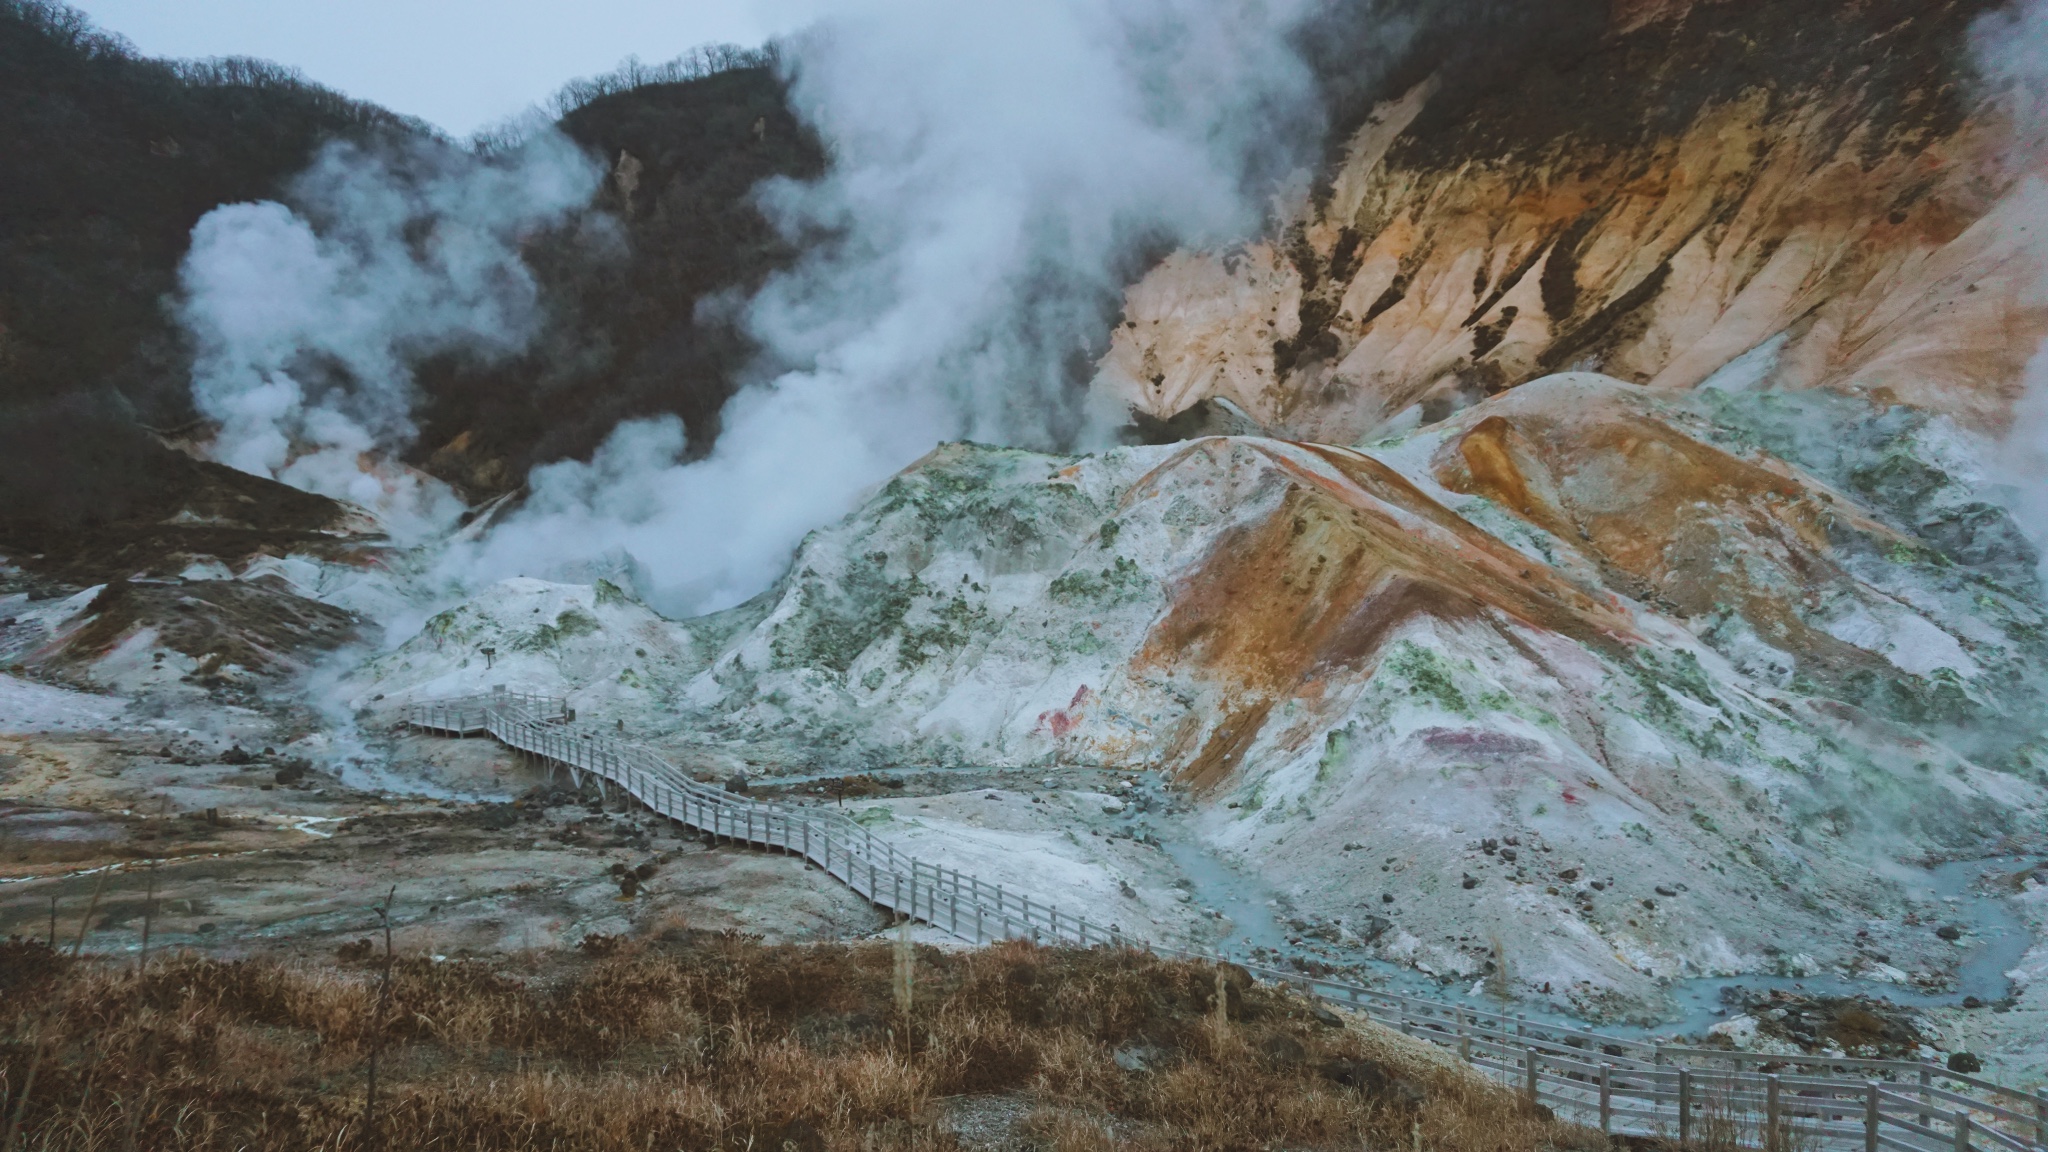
1814	188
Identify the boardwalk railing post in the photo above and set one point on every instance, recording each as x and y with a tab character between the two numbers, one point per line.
1962	1119
1871	1116
1773	1132
1529	1062
1606	1098
1684	1106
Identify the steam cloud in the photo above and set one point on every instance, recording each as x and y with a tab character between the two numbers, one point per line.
995	170
306	323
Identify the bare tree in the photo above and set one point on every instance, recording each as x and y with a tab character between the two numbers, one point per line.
698	63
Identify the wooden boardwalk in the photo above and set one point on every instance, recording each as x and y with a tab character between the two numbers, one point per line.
1620	1085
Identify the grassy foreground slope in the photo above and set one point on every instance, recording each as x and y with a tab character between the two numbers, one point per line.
718	1041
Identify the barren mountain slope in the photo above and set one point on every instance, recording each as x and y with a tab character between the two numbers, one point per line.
1702	180
1696	692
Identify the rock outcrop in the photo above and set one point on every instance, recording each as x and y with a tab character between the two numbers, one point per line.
1816	186
1685	689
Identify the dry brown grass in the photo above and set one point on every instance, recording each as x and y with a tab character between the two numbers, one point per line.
721	1044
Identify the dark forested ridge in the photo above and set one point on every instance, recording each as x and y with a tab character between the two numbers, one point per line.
626	336
110	160
113	157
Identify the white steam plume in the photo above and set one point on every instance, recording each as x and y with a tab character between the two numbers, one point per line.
994	170
2011	50
306	323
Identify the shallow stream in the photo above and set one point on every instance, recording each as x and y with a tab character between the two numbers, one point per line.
1250	918
1997	940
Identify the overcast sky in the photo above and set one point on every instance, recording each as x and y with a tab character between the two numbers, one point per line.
460	64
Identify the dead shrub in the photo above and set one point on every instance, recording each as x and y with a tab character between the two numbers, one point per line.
972	1053
721	1043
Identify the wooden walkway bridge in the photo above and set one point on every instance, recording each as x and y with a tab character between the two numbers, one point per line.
1622	1085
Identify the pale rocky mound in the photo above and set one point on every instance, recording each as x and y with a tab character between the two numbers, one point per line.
1935	621
184	637
590	643
1814	181
1576	690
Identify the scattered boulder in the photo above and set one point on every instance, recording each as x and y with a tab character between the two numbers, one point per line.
495	817
545	796
1282	1050
1374	1081
1739	1031
1858	1025
600	944
1136	1057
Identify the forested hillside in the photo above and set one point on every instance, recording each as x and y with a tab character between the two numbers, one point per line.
114	157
